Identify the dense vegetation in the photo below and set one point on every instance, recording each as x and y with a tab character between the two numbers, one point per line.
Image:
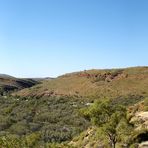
50	119
111	120
55	121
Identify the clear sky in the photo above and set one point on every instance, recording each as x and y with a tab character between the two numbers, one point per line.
51	37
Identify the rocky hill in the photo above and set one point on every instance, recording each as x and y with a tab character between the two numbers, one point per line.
99	83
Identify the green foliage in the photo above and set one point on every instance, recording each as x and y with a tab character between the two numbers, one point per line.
32	140
47	120
98	113
146	104
11	141
111	120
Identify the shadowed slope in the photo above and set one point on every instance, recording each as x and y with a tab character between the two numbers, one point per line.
9	83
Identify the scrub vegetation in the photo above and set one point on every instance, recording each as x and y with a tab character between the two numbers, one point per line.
89	109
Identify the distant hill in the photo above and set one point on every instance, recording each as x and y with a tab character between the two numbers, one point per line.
5	76
42	79
95	83
9	83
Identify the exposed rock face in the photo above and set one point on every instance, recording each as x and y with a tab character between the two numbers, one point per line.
140	121
143	118
143	145
108	76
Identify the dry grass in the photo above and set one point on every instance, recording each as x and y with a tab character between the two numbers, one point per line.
98	83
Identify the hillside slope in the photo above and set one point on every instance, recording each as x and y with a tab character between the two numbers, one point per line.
99	83
9	83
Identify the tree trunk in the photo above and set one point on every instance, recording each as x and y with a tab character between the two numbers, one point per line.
113	144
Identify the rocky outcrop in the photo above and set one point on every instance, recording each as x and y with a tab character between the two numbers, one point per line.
143	145
140	121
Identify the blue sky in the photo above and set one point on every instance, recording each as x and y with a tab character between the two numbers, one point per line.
51	37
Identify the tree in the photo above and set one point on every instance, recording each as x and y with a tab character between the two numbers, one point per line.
108	117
